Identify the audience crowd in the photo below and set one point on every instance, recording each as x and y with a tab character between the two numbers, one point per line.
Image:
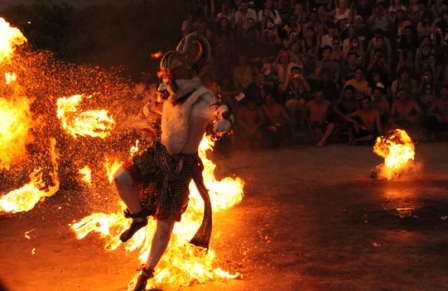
352	69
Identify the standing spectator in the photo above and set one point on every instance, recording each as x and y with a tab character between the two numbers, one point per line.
437	114
316	113
367	125
404	81
326	62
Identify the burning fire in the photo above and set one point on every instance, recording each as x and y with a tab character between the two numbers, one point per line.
87	175
95	123
26	198
156	55
10	38
397	149
182	263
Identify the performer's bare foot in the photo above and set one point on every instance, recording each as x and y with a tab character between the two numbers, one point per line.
143	278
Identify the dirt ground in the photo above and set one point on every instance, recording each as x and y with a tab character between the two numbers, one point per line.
311	219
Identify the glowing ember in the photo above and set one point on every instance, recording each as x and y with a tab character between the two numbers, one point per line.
87	175
16	121
10	37
182	264
397	149
26	198
94	123
156	55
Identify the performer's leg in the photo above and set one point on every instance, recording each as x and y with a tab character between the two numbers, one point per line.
159	243
127	192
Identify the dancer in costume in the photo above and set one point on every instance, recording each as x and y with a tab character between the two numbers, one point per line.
167	166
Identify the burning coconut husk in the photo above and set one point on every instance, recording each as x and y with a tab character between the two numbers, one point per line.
398	151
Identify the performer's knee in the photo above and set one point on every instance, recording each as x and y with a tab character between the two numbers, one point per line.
121	178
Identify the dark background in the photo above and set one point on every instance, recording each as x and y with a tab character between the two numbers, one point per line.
101	33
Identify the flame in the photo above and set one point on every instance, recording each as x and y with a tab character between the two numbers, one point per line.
16	121
94	123
111	168
26	197
10	77
10	37
397	149
87	175
156	55
182	264
134	149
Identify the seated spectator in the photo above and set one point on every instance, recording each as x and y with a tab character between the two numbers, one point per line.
258	88
363	9
270	40
426	25
327	62
342	27
437	10
252	47
224	54
327	39
401	21
409	39
437	114
323	16
337	54
435	67
227	13
252	26
301	15
330	89
202	29
341	11
378	64
313	21
359	83
366	122
243	13
267	69
310	49
316	113
348	71
242	74
361	29
345	105
381	20
277	121
428	90
283	63
377	80
379	43
415	12
224	26
293	95
405	112
355	46
394	8
425	50
292	26
407	60
405	81
189	25
351	32
381	104
269	11
249	125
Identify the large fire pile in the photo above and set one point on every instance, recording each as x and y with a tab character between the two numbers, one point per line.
64	123
398	152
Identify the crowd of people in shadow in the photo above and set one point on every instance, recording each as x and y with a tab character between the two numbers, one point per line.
341	70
